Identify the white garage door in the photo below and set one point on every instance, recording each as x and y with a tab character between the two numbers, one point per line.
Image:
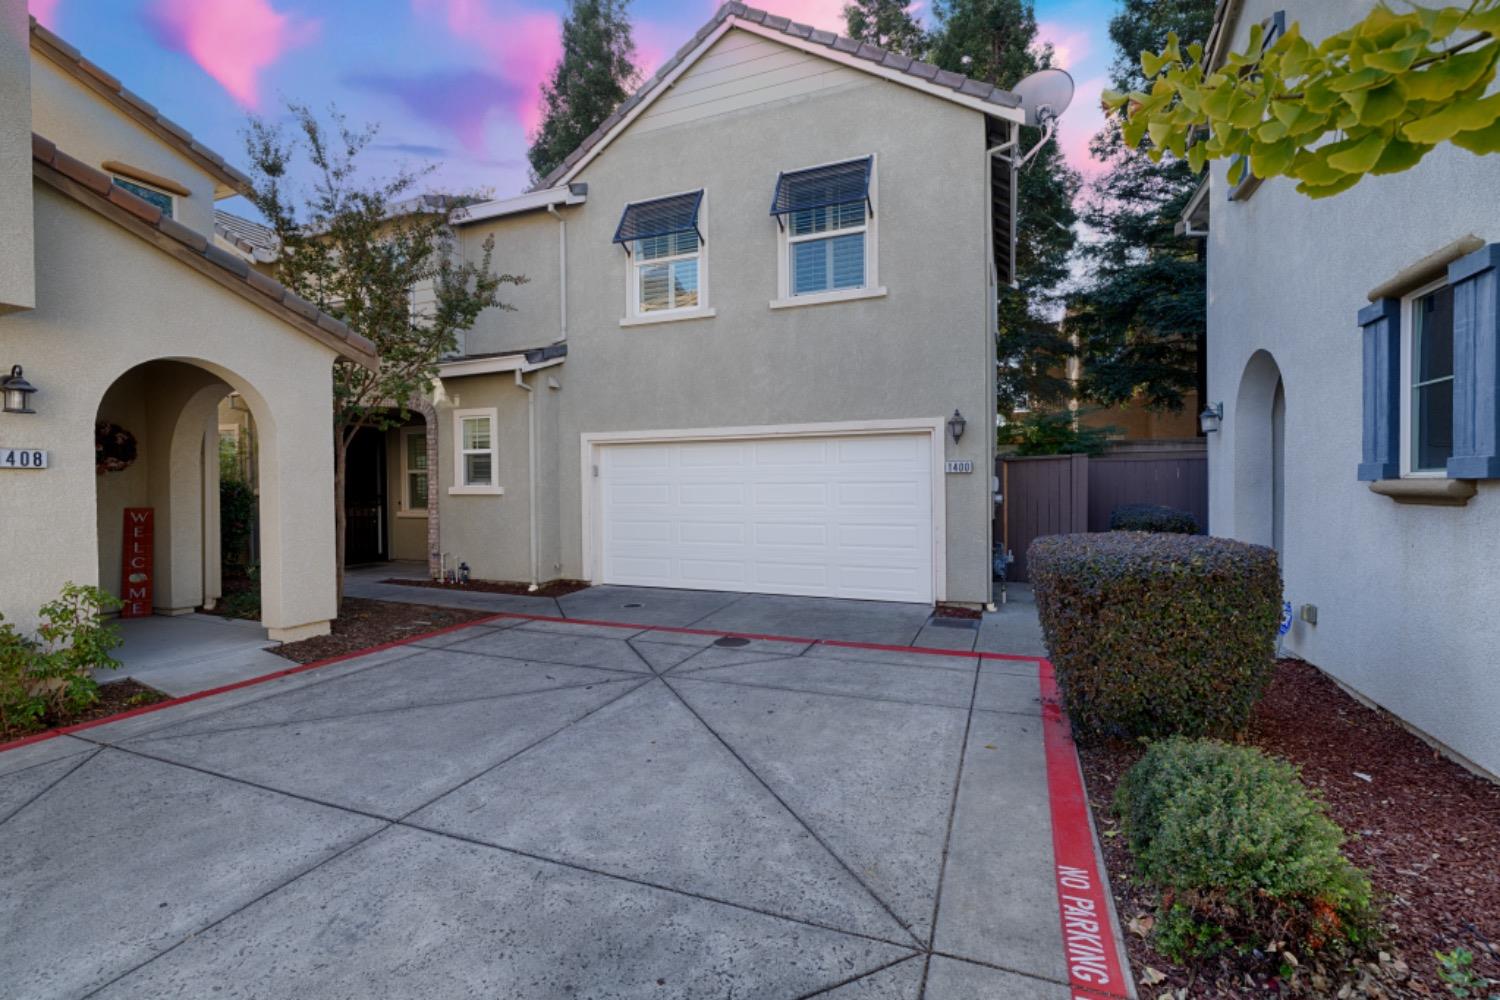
824	516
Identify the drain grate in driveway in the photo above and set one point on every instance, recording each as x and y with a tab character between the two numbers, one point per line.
943	622
731	642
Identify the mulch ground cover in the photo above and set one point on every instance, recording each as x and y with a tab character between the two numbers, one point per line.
554	588
114	698
963	614
1425	830
363	623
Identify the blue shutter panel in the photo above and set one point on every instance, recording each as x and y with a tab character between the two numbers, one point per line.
1476	365
1381	323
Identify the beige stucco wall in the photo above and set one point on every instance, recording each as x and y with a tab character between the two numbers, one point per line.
525	245
407	530
87	127
17	274
101	311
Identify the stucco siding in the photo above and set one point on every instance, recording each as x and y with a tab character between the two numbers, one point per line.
525	245
17	273
101	311
87	127
1406	595
408	529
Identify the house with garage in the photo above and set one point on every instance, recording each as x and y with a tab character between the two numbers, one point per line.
756	348
1354	394
124	323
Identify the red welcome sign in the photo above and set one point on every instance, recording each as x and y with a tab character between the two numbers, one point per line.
136	576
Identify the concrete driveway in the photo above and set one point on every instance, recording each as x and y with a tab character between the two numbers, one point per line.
541	809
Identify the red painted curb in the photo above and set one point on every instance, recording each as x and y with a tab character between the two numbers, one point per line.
1093	953
300	668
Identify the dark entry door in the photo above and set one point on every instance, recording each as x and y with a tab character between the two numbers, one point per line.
364	499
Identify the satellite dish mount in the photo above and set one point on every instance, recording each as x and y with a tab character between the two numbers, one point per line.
1044	95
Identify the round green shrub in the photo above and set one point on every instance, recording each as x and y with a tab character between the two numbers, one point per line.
1243	851
1152	517
1157	634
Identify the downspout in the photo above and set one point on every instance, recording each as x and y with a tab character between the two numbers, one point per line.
531	477
562	273
1006	151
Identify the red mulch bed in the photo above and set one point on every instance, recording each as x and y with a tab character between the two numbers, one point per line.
114	698
950	611
554	588
364	623
1425	830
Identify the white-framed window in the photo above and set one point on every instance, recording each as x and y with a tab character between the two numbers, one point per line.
414	478
163	200
667	273
828	253
1427	380
476	452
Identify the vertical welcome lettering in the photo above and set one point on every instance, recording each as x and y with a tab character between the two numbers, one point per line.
136	576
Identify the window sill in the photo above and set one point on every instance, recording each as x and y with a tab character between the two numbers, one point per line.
422	514
826	298
476	491
652	319
1430	491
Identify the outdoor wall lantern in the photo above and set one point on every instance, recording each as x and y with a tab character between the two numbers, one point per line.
1211	418
956	425
17	392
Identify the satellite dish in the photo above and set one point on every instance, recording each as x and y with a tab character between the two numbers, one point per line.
1044	95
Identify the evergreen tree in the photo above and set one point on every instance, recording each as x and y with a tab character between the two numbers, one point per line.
996	41
886	23
1140	318
596	72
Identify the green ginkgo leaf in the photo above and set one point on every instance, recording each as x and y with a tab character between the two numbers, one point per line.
1357	156
1271	159
1393	60
1449	76
1369	77
1379	105
1400	155
1151	63
1458	116
1329	190
1483	141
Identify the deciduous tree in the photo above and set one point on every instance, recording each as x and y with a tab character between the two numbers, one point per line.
886	23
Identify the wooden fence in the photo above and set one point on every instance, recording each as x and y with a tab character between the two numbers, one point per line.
1061	494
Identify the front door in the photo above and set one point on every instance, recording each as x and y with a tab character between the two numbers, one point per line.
364	499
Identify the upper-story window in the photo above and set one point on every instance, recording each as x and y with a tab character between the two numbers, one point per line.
161	199
826	221
1427	375
667	274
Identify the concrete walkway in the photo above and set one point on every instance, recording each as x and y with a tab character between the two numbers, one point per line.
184	654
531	809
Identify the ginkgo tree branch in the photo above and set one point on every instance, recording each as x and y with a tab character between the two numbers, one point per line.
1373	99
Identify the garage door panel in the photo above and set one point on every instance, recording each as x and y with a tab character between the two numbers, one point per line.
818	516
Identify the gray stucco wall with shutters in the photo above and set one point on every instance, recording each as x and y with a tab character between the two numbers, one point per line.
1406	594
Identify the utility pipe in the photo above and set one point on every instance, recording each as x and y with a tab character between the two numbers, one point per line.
562	273
531	477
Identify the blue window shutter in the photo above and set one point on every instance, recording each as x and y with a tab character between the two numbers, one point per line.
1476	351
1381	323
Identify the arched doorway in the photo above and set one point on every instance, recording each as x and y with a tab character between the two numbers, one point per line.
1259	429
158	448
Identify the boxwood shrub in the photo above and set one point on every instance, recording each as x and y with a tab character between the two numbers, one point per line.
1152	517
1157	634
1242	852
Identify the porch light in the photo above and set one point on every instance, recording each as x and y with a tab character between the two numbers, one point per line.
956	425
16	391
1211	417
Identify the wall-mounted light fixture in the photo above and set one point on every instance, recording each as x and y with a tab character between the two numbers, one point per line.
17	392
956	425
1211	418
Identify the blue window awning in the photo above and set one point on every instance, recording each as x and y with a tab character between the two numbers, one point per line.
822	187
644	220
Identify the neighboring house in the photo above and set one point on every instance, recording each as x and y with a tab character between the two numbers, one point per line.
1353	343
123	311
757	297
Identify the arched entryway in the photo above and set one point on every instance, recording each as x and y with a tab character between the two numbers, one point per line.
392	507
1259	429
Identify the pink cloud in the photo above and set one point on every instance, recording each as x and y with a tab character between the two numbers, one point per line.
234	41
45	11
522	44
1070	46
1082	120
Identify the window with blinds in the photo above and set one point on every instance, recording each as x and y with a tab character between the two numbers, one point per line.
825	215
665	242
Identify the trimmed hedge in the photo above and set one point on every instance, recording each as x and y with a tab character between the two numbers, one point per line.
1156	634
1242	851
1152	517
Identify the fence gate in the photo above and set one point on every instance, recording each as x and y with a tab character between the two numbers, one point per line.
1061	494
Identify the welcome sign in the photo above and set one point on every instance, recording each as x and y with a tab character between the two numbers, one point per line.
136	576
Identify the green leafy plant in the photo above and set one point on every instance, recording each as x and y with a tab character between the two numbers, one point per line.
238	507
1053	434
52	674
1373	99
1152	517
1157	634
19	707
1456	970
1242	851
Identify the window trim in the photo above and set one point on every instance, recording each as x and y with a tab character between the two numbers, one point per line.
702	309
1407	417
459	488
172	197
871	288
402	507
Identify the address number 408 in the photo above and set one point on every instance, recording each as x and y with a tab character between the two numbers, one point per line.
23	458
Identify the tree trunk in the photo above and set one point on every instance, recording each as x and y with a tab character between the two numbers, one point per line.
340	522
